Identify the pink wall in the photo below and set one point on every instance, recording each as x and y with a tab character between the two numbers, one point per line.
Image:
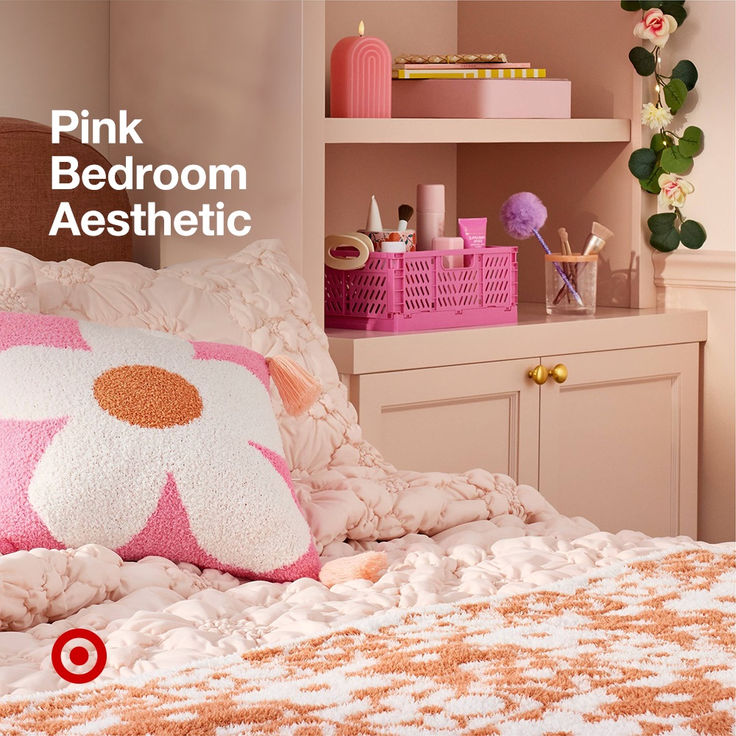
391	172
578	183
215	82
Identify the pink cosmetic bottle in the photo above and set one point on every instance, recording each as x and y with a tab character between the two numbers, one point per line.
430	214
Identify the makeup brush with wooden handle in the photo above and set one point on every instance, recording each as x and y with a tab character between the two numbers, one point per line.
564	242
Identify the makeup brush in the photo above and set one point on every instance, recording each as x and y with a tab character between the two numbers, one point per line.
522	214
564	242
405	213
597	239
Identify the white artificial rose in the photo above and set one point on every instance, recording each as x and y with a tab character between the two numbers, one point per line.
656	27
674	190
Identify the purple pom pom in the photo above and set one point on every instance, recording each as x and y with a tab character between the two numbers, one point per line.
522	213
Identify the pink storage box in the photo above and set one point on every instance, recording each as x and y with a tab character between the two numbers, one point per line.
481	98
402	292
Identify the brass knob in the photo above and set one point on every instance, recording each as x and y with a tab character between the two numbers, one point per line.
539	374
559	373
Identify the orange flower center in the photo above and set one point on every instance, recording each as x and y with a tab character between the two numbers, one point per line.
147	396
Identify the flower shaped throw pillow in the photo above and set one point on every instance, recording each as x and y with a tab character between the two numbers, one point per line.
147	444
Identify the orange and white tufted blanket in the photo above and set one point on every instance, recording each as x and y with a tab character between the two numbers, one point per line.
644	648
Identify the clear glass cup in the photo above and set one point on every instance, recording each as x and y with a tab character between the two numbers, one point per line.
580	273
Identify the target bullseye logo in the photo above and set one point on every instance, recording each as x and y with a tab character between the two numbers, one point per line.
78	656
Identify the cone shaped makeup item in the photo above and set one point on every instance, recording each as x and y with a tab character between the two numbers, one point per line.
373	222
522	214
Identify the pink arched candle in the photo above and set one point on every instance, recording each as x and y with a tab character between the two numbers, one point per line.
360	77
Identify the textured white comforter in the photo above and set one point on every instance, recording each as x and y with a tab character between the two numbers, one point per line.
154	614
448	537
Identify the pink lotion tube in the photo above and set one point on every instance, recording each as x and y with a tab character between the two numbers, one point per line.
473	231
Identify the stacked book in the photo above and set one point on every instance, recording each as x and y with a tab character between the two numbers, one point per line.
464	66
475	86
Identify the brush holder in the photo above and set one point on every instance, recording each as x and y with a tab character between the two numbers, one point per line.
582	272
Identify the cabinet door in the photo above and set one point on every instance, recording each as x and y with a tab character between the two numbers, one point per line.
618	439
455	418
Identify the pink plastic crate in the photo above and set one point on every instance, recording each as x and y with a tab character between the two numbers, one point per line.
401	292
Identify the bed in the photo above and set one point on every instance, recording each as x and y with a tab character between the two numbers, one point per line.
494	614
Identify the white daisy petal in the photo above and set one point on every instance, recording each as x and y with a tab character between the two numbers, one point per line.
239	495
42	382
96	484
132	345
224	384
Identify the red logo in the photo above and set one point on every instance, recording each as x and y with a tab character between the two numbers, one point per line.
79	656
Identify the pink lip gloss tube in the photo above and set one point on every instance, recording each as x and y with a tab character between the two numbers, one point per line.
430	214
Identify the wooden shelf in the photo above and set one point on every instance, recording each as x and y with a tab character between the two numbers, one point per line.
461	130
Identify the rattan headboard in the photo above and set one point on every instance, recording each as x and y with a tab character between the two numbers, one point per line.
28	204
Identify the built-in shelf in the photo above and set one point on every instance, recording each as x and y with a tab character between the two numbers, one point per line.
461	130
535	333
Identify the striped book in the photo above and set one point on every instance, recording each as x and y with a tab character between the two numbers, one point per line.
474	65
485	73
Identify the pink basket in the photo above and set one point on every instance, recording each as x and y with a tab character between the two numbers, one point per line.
401	292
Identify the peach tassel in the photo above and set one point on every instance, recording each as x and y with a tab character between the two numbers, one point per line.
298	388
366	566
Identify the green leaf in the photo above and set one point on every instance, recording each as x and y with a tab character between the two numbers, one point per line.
642	61
692	234
660	142
651	183
675	10
647	4
687	72
674	162
661	223
675	93
665	241
641	162
629	5
691	141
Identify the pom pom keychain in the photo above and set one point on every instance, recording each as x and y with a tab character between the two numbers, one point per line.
522	214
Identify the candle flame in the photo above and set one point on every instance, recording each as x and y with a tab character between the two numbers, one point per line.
361	28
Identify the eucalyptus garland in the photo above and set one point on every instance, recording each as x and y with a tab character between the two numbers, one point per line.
659	167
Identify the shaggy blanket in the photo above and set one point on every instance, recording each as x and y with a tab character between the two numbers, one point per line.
645	648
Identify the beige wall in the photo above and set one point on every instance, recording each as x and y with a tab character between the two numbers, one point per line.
707	39
706	279
53	55
215	81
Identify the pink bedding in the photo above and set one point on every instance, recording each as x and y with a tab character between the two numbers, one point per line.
449	538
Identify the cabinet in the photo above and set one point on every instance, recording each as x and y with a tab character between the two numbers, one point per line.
616	442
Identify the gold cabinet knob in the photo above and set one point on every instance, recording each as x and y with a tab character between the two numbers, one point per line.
558	373
539	374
